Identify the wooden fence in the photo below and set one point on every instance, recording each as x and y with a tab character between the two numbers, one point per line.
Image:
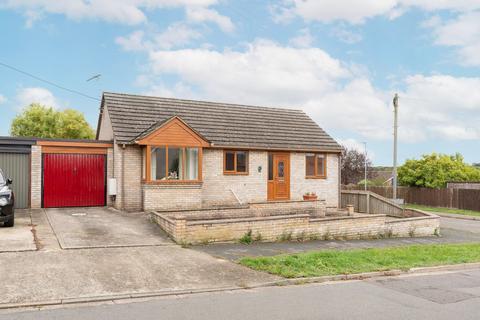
468	199
369	202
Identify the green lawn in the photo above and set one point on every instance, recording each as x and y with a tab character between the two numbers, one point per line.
334	262
445	210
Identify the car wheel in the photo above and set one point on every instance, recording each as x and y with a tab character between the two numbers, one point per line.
10	222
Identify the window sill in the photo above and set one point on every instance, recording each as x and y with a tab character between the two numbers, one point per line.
235	173
173	182
319	177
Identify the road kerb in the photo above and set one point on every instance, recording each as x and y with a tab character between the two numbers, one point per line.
282	282
456	216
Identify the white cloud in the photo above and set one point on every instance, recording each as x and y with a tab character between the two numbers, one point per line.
176	35
442	106
26	96
332	10
337	95
357	12
263	70
462	32
135	41
445	92
32	16
303	40
352	144
120	11
266	73
202	14
346	35
453	5
2	99
357	106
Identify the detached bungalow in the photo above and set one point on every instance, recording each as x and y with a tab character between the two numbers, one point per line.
172	154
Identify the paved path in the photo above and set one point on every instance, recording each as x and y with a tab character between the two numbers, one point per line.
452	231
443	296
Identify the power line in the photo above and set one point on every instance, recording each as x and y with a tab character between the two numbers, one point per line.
48	82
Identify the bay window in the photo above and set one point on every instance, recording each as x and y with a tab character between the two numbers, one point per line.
169	163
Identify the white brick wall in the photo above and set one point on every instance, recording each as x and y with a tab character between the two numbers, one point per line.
253	188
129	175
109	172
326	189
161	197
36	177
217	186
117	173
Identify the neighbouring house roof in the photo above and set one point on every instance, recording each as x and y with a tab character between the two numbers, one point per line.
223	125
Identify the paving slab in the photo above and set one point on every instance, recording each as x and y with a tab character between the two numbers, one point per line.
20	236
73	274
45	238
102	227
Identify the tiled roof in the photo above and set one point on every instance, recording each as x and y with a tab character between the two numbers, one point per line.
222	124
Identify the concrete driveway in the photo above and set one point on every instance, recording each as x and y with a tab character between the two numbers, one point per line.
101	227
115	254
19	237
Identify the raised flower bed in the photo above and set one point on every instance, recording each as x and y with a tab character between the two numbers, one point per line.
291	220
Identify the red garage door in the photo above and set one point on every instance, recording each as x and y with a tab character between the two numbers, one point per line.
73	180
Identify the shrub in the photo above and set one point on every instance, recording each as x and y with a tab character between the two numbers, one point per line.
246	238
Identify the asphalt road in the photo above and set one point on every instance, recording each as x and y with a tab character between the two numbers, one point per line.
437	296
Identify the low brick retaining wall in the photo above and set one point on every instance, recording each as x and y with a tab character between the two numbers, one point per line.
422	225
292	220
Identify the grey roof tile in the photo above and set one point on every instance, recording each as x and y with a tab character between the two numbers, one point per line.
220	123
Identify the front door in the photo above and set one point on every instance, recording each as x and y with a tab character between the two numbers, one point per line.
279	176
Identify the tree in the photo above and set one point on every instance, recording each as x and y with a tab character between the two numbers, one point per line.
435	170
353	166
41	121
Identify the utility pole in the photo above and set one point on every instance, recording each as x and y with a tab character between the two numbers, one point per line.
365	164
395	129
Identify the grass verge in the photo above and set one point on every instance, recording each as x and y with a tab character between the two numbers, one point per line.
334	262
444	210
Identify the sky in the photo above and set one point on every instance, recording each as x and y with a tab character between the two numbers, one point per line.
339	61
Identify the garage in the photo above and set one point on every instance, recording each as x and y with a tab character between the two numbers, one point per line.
15	163
73	174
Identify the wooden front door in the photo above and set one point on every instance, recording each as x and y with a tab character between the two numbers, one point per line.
279	176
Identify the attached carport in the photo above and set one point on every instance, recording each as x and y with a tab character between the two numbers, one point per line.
15	163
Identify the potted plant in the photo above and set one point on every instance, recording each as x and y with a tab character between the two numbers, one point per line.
310	196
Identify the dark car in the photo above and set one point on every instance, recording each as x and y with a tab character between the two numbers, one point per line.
7	201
